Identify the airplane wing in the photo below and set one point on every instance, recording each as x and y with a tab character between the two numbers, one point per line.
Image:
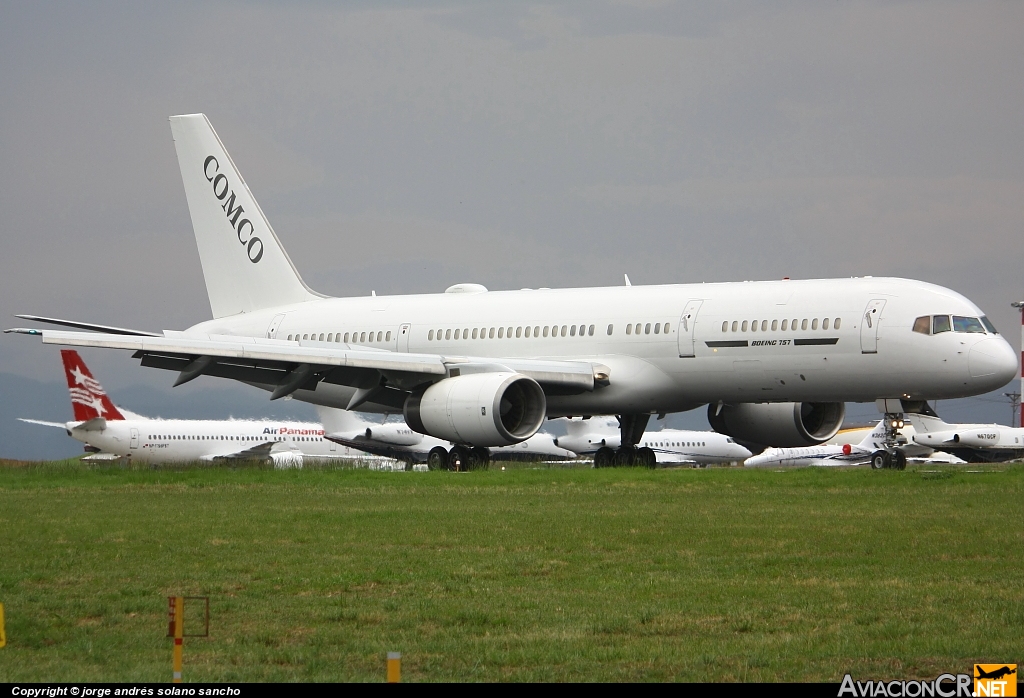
379	448
291	365
260	452
87	326
59	425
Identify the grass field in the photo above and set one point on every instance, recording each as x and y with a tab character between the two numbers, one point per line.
526	574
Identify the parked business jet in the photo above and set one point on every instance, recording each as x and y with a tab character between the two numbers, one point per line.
974	443
110	431
396	440
870	450
601	437
774	360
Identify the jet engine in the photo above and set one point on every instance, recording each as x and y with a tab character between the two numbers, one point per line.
395	434
479	409
286	459
778	424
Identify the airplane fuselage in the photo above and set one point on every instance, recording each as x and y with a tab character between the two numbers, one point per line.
672	348
183	440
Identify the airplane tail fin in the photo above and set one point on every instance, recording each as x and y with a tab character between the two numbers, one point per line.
244	264
924	423
337	421
88	399
874	437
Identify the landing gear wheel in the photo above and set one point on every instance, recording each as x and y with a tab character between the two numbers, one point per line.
604	458
437	459
899	461
458	459
880	460
625	457
646	458
481	458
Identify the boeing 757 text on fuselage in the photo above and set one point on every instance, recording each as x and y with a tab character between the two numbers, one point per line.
775	360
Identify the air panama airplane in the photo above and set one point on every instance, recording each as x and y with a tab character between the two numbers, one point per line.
396	440
116	432
601	438
774	360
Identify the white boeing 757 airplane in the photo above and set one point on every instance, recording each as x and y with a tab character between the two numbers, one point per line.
111	431
774	360
600	437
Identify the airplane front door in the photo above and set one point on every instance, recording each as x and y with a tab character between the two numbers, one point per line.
869	323
134	443
687	323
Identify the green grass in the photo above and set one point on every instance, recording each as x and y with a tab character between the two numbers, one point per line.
542	574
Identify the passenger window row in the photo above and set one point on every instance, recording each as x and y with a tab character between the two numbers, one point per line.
786	325
646	328
507	332
356	337
183	437
936	324
675	444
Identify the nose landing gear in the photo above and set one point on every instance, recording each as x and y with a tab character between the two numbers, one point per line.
889	456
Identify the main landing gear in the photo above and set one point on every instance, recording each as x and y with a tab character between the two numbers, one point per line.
458	459
889	456
631	430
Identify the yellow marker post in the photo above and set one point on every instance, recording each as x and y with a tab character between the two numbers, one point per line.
394	667
178	604
3	634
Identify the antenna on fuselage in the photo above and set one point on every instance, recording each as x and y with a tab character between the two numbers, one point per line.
626	277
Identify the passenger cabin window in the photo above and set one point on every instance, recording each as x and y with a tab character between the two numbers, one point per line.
611	328
835	325
775	325
430	336
814	324
923	324
744	326
784	324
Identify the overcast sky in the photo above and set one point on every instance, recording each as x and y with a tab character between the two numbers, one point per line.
403	148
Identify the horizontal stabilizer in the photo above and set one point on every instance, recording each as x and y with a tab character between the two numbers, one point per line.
59	425
106	329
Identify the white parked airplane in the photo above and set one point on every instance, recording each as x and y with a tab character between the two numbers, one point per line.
396	440
601	437
869	450
775	360
973	443
115	432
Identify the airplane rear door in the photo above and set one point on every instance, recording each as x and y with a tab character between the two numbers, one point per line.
134	443
403	337
686	327
869	326
274	324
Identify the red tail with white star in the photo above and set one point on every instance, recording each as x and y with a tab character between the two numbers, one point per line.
88	398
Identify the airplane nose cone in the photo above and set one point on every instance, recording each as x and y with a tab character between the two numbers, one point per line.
994	360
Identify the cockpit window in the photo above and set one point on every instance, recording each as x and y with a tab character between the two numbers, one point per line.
967	324
940	323
988	325
923	324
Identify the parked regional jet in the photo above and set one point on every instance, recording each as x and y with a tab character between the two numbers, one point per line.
115	432
600	437
869	450
774	360
396	440
974	443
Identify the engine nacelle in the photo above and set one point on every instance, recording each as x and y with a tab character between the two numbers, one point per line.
286	459
479	409
779	424
395	434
